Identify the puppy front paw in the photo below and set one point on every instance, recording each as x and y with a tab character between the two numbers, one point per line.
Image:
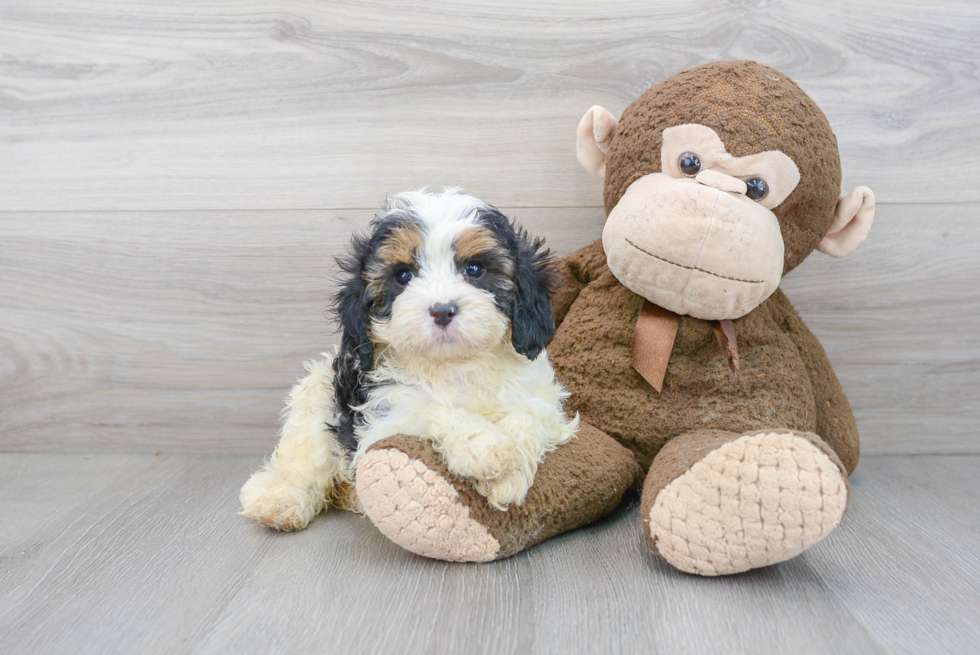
271	500
506	491
500	470
485	456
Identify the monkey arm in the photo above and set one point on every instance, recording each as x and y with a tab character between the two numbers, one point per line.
566	287
571	274
835	420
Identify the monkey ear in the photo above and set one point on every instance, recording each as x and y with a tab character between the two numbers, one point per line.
852	220
593	138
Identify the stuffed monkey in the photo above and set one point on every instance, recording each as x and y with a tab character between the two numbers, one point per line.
695	378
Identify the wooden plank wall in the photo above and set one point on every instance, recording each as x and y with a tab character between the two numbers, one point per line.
175	178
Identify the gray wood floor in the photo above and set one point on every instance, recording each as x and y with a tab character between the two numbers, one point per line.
141	554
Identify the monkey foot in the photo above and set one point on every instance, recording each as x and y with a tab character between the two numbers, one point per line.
751	501
408	493
419	509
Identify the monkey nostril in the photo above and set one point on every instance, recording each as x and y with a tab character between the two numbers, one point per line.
442	313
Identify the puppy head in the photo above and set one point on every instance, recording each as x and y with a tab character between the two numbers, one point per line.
444	277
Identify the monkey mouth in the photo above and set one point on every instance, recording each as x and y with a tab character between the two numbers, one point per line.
691	268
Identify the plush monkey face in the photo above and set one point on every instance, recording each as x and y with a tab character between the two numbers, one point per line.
719	181
699	237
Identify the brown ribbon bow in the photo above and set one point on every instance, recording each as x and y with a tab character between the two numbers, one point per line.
653	341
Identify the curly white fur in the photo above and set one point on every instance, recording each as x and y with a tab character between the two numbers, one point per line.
493	418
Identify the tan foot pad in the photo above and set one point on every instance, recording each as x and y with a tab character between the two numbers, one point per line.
757	500
419	510
407	491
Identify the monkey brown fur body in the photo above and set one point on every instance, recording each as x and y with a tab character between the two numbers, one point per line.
785	379
675	341
703	420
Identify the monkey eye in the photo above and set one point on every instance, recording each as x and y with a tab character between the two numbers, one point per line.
689	164
404	276
756	188
473	270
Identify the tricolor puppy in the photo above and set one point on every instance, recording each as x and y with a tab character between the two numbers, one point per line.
445	316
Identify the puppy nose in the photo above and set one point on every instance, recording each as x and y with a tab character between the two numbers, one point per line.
720	181
442	313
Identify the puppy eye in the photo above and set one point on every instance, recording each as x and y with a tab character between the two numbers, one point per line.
404	276
689	164
756	188
473	270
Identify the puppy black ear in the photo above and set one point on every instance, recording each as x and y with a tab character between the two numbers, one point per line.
356	354
532	322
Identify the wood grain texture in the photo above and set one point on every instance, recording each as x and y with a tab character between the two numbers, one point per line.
130	553
205	104
173	331
182	331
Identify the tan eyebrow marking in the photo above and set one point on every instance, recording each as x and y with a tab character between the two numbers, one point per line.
474	241
401	245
